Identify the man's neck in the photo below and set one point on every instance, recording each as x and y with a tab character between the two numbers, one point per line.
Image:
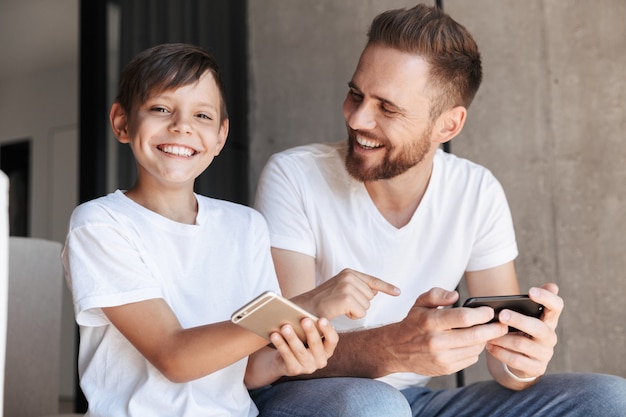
398	198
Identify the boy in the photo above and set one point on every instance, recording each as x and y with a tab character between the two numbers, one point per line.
156	270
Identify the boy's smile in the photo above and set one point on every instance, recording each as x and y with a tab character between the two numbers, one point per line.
176	150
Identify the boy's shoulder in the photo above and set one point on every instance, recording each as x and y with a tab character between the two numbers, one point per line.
100	207
215	207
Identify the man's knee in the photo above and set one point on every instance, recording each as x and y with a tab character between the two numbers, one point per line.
332	397
588	393
367	397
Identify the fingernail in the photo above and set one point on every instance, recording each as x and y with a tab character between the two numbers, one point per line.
505	315
534	291
450	295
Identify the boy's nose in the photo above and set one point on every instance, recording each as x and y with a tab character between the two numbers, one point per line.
181	124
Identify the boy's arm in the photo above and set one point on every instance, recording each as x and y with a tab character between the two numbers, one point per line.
181	354
186	354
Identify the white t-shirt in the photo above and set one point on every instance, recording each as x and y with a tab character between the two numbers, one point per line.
313	206
118	252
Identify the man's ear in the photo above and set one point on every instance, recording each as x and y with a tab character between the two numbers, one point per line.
449	124
119	122
222	134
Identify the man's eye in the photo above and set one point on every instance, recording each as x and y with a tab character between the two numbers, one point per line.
355	96
388	110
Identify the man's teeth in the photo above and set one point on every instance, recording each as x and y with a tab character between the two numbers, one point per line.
370	144
177	150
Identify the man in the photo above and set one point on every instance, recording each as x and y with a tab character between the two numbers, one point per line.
391	204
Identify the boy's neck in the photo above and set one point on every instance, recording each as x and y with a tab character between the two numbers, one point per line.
179	206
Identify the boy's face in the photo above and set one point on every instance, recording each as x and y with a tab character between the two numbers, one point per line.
175	134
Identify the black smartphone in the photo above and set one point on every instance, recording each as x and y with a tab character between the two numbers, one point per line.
519	303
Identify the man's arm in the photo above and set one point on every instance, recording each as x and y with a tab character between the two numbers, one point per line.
429	341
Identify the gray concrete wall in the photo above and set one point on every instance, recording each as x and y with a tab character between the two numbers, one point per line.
549	121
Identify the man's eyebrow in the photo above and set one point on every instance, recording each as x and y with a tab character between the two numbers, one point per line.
353	86
383	100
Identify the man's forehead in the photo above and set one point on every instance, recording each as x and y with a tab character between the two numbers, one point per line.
390	74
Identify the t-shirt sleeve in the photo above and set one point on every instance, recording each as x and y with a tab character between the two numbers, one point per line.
495	242
104	269
283	204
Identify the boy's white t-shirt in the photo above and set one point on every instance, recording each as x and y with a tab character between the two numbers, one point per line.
118	252
314	207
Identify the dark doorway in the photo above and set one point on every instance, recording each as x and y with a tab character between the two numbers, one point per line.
15	163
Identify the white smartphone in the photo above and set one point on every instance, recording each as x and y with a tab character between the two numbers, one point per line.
268	312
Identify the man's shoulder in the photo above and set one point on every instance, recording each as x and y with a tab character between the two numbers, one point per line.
452	164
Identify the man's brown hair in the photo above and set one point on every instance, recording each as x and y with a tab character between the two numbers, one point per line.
448	47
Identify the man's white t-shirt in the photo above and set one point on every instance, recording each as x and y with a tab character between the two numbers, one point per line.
314	207
118	252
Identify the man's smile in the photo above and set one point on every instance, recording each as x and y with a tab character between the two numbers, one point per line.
368	143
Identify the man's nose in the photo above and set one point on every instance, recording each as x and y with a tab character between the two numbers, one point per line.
361	116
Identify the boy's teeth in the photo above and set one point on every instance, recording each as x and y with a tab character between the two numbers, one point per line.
177	150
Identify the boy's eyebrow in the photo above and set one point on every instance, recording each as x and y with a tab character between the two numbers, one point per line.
383	100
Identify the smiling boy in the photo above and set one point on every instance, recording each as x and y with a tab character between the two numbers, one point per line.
156	271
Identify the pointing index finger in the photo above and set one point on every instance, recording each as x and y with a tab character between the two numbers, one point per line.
377	284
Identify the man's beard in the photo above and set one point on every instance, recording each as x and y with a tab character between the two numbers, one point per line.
407	158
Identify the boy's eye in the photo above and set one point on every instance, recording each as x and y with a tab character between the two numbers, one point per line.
205	116
159	109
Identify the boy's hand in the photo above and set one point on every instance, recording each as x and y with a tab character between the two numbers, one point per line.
295	357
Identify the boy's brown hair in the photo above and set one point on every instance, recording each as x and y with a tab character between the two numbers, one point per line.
164	67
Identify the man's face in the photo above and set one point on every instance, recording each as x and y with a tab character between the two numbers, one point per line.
387	114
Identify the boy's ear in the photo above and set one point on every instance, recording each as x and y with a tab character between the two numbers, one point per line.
222	134
119	123
449	124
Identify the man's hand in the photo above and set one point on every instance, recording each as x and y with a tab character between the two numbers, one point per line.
440	341
528	352
348	292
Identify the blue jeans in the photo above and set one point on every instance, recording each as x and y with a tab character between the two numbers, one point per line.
326	397
568	395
